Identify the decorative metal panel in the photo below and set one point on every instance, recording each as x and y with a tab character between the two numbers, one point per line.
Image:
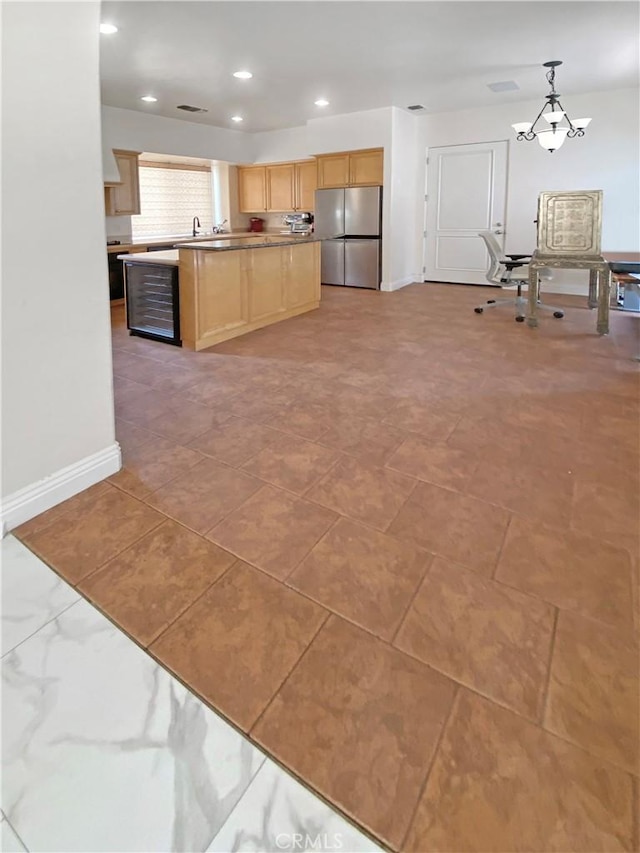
570	223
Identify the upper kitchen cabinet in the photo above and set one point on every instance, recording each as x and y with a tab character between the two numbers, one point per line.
351	169
306	176
333	171
124	199
281	182
252	189
365	168
277	188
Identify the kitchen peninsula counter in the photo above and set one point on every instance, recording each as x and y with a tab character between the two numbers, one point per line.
231	287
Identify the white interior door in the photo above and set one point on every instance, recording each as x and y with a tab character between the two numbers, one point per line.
466	193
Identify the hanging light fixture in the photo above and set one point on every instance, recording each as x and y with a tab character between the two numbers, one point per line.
553	134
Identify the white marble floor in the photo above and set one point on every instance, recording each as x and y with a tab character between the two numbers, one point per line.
104	751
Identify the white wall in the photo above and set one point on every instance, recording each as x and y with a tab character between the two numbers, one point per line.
405	202
366	129
136	131
57	401
606	158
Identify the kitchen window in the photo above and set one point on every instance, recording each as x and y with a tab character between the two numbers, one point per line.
170	196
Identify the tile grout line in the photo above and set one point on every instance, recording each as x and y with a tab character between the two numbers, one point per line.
545	697
75	584
287	677
265	758
502	544
454	703
15	832
48	622
148	645
429	563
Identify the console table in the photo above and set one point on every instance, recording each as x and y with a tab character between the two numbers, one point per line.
599	285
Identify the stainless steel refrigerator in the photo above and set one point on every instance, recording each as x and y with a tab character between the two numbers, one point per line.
351	221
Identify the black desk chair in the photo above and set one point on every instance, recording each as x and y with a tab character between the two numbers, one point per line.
511	271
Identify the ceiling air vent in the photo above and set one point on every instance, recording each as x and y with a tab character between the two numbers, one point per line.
504	86
415	107
189	109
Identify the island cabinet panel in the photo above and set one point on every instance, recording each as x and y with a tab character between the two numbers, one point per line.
302	275
281	187
224	294
267	289
252	189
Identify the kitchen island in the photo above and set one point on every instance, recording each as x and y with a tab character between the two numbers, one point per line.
230	287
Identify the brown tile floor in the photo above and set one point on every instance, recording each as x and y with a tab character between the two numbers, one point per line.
396	543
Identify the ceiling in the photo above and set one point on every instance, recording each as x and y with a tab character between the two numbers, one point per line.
358	55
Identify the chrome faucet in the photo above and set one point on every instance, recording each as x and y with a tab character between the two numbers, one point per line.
196	225
219	229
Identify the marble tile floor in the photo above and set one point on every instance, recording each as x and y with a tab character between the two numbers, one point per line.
396	544
103	750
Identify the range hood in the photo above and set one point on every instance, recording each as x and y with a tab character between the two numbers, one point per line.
110	171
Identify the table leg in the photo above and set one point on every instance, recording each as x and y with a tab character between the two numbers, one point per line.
604	294
532	308
593	288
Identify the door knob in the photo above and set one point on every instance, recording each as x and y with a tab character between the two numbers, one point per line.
498	232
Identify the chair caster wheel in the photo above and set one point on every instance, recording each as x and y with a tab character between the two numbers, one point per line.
478	310
490	301
558	314
519	319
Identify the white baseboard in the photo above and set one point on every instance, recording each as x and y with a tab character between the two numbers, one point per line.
26	503
389	286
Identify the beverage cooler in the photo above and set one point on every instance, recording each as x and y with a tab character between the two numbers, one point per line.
152	299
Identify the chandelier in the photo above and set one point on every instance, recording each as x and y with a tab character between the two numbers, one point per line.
552	135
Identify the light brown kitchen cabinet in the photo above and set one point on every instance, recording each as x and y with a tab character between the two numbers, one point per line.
365	168
333	171
124	199
252	189
281	187
277	187
306	175
351	169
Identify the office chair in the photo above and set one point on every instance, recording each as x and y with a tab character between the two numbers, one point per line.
502	271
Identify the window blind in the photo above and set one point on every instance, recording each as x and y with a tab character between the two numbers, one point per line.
169	199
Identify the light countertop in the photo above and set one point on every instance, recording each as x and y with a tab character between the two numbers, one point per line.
167	259
135	243
257	241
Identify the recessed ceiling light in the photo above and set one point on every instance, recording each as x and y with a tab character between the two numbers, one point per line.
236	118
149	99
243	75
108	29
321	102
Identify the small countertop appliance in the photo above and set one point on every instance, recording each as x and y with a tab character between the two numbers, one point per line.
256	224
299	223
